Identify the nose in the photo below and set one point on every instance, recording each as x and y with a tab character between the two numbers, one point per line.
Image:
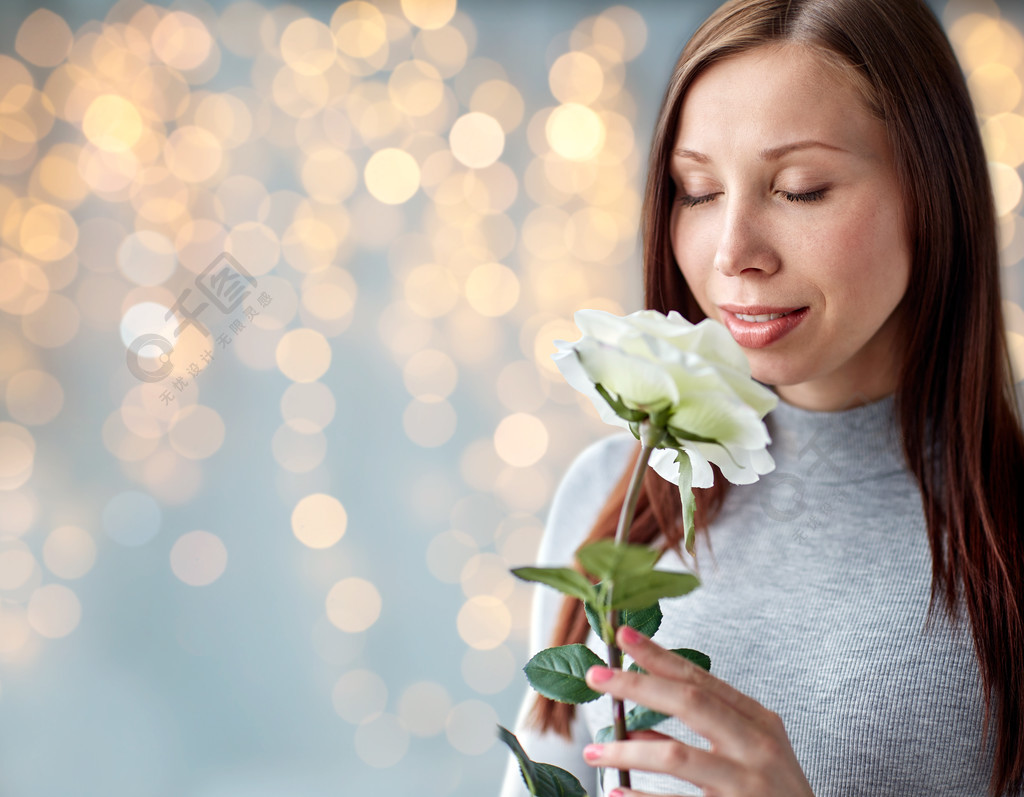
745	242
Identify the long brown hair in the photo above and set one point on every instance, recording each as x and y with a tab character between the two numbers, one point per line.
955	392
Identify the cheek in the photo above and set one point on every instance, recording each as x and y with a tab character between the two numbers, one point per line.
694	259
869	259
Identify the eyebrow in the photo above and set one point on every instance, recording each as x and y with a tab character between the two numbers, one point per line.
771	154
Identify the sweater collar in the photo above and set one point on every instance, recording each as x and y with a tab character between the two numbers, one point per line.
836	447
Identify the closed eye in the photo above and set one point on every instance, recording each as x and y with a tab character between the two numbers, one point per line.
693	201
810	196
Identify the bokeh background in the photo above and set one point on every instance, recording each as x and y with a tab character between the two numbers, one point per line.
274	562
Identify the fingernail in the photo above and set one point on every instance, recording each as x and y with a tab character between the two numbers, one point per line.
615	793
599	674
593	751
631	637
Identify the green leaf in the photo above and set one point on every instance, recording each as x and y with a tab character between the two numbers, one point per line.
636	592
596	620
564	579
558	673
526	767
542	780
638	718
647	620
687	499
641	718
702	660
608	560
553	781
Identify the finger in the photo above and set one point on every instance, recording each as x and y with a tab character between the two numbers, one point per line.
729	732
658	661
667	756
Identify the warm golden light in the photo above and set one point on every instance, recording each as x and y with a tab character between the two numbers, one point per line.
484	622
477	140
307	46
392	176
319	520
112	123
521	439
429	14
44	38
575	132
1006	187
303	355
576	77
492	289
359	29
182	41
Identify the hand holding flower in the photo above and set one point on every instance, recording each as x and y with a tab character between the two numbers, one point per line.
750	751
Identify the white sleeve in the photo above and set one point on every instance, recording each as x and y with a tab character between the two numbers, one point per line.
576	505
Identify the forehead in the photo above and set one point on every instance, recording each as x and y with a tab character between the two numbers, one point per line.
777	91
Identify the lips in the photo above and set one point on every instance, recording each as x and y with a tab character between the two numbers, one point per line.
758	326
760	309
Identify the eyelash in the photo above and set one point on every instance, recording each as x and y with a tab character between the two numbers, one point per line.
810	196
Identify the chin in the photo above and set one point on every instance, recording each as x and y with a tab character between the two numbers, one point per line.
773	374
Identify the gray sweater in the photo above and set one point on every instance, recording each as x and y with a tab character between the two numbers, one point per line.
813	601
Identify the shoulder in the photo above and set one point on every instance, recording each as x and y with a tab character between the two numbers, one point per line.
582	493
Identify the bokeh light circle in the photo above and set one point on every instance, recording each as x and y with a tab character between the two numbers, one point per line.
392	176
319	520
69	552
477	140
353	605
521	439
303	355
484	622
198	558
575	132
54	611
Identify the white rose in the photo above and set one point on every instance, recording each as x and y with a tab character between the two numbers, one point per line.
693	380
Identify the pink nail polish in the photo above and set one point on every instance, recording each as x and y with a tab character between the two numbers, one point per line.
615	793
599	674
631	637
593	751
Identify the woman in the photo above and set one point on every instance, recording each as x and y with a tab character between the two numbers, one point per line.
817	183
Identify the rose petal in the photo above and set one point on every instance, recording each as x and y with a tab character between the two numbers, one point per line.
639	383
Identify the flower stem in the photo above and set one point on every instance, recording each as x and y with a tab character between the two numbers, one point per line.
649	438
633	492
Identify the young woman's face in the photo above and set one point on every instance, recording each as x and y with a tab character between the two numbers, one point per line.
787	202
